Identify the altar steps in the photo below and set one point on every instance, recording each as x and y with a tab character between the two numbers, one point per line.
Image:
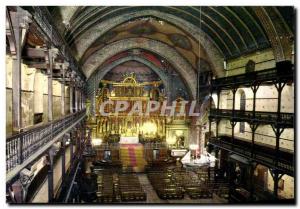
132	156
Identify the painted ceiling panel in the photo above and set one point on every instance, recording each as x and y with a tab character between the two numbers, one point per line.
238	27
234	31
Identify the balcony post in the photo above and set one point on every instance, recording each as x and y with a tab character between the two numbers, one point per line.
80	101
64	67
279	86
50	163
218	96
50	57
276	179
71	147
253	127
232	122
278	131
254	89
217	128
233	99
63	158
210	107
19	23
218	107
252	169
79	98
76	97
71	93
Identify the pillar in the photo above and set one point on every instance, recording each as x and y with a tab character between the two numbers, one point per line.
50	156
76	98
20	23
254	89
50	56
232	122
71	96
71	147
63	159
63	72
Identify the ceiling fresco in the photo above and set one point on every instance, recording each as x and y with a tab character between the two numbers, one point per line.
184	36
142	72
153	29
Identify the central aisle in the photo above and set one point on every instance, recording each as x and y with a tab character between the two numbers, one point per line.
132	156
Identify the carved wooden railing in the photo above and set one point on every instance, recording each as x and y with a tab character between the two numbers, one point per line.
286	119
268	75
261	154
21	146
44	20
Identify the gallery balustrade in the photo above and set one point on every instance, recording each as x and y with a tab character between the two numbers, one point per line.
22	146
247	79
286	119
261	154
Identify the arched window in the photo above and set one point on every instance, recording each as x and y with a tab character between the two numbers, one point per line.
242	108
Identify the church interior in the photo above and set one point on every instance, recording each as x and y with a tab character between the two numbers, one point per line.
150	104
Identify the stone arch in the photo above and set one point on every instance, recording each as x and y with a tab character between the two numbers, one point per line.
182	66
98	75
91	35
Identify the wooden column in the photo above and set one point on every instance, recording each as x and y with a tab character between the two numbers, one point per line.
83	101
16	83
253	126
63	68
233	122
19	23
50	183
50	156
79	99
218	107
50	56
76	98
63	159
71	147
71	96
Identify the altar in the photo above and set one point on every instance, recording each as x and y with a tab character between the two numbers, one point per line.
129	140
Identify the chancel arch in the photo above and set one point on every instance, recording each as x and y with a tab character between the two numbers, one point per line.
99	74
181	65
166	78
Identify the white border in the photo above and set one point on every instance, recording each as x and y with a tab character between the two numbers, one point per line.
111	3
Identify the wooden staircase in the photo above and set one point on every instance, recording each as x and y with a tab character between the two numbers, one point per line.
132	156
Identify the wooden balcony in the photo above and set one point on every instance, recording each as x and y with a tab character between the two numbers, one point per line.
260	153
25	147
285	120
267	76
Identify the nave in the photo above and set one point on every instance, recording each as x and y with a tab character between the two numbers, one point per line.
153	104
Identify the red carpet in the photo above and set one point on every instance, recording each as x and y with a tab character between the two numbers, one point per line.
132	155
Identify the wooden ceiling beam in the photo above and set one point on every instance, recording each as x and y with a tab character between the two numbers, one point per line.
43	65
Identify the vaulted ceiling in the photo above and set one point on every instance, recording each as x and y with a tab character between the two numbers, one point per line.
185	36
